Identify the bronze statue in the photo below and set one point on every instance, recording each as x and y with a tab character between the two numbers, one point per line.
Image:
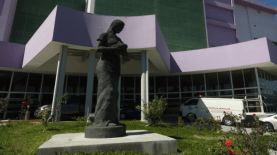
108	72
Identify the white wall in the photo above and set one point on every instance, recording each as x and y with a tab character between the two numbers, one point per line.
247	18
243	24
265	24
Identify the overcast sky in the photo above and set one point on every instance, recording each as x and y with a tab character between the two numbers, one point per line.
270	2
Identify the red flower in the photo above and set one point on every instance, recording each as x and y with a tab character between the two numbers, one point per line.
254	115
228	143
25	104
231	152
57	107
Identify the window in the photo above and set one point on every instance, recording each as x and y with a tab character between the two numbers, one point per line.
34	82
46	99
237	79
138	85
161	85
48	83
72	84
211	81
129	85
213	94
198	82
83	84
239	94
186	84
250	77
19	82
5	78
192	102
196	94
95	85
173	83
175	95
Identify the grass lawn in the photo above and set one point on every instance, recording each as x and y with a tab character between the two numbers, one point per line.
25	138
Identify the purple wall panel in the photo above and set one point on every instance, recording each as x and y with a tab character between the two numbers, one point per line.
1	6
11	54
80	28
240	54
6	18
219	14
162	46
219	36
272	51
139	31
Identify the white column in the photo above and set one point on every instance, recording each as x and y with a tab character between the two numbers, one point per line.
10	89
90	6
259	90
90	79
144	82
118	101
59	82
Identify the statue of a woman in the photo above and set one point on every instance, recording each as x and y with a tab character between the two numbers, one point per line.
108	72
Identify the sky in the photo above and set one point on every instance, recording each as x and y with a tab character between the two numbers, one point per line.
270	2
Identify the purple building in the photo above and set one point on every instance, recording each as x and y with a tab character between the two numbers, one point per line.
215	48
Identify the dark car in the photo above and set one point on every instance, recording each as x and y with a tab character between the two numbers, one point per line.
129	112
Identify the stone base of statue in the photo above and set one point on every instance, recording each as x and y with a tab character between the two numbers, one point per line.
137	140
105	132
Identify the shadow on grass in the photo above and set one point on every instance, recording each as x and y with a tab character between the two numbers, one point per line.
53	129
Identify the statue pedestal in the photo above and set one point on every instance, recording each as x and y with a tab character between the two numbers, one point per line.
105	132
137	140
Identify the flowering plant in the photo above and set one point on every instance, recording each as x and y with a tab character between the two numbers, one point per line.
61	101
155	110
215	123
248	141
199	123
44	116
25	107
3	104
180	121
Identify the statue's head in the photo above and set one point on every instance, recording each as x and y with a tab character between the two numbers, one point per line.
116	26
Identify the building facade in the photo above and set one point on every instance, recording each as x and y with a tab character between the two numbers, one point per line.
182	49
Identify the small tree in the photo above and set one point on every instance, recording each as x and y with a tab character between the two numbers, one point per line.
61	101
3	104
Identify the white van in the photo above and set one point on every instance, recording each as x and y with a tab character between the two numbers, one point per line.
213	107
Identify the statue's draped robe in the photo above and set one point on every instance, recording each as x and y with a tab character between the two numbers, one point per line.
108	72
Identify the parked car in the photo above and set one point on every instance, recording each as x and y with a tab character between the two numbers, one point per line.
270	122
67	109
129	112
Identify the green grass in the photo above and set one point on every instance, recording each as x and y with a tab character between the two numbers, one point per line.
26	138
